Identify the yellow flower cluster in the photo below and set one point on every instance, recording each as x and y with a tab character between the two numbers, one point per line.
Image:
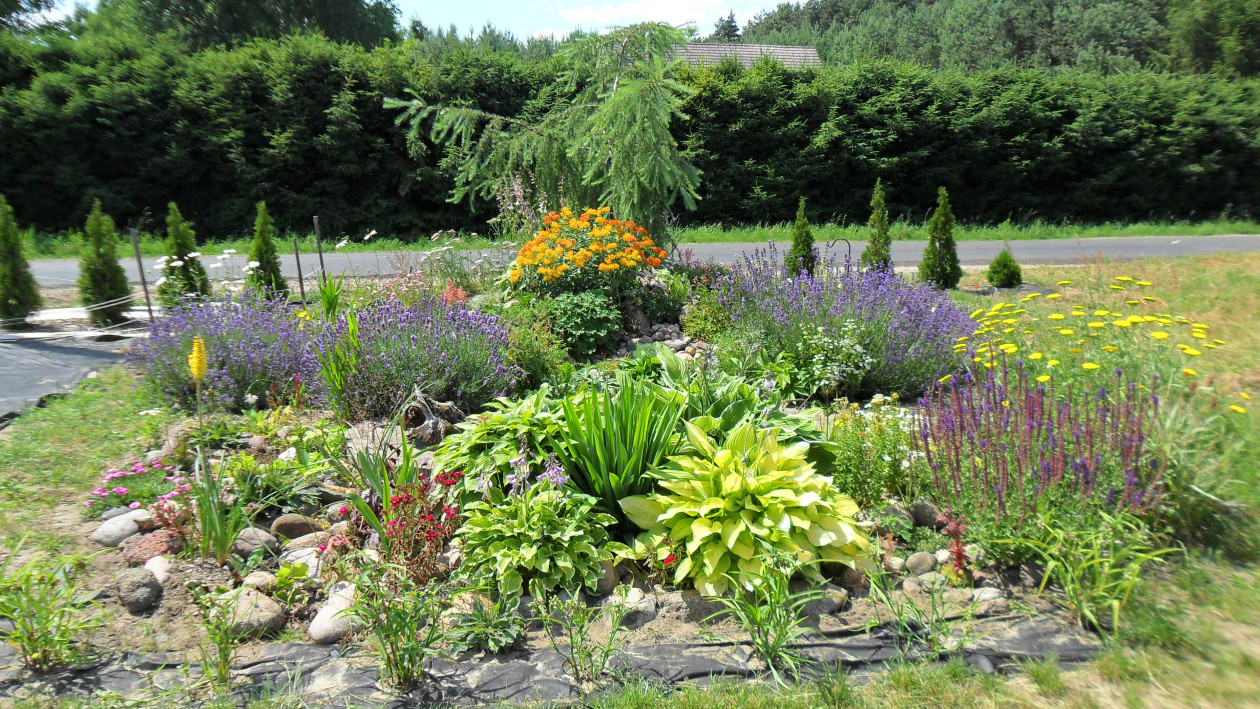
1116	330
197	360
575	247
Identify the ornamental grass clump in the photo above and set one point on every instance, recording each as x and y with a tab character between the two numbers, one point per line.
898	336
376	357
1002	448
258	353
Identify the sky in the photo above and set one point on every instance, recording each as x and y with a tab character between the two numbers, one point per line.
525	18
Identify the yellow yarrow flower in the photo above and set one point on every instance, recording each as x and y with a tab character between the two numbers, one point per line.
1238	408
1160	335
1189	372
1043	378
1089	365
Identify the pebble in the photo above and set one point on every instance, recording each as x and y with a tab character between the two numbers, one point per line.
251	539
896	565
943	556
309	541
115	512
292	526
925	515
920	563
262	580
138	589
160	567
253	614
310	557
640	610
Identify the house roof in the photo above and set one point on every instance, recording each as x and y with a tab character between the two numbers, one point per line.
794	57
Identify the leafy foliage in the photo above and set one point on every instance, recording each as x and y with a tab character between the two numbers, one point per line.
705	317
878	251
205	24
101	278
1004	272
493	627
724	511
19	296
49	613
589	322
266	276
802	256
542	538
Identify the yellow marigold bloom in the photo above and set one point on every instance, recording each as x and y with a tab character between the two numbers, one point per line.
1089	365
197	360
1160	335
1238	408
1056	316
1189	372
1035	355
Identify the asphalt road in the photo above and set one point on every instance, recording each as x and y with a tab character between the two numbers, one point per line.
63	272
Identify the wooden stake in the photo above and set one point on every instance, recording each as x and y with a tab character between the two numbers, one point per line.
319	248
144	283
297	256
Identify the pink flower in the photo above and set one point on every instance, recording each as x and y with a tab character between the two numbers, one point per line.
323	548
99	491
89	503
345	510
120	491
134	505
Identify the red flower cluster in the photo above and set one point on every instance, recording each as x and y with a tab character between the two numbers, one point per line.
448	479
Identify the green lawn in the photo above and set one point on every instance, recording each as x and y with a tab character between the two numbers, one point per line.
66	245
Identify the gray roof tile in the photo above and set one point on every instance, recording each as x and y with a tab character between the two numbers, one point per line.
794	57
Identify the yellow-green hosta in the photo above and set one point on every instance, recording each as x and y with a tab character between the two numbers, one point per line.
727	509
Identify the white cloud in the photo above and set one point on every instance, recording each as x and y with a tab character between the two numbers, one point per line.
701	13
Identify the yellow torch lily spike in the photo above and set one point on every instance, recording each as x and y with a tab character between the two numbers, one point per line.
197	360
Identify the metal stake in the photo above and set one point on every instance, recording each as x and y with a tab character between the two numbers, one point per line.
319	248
297	256
135	244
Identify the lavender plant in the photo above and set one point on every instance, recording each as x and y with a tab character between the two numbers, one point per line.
1002	448
386	350
259	354
897	337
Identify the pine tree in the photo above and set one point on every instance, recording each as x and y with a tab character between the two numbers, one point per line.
184	274
1005	272
265	277
878	251
19	296
940	265
725	30
101	278
801	257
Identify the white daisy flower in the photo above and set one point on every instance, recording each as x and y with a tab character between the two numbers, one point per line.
195	254
176	264
229	251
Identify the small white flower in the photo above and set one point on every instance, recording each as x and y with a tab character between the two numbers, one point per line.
160	281
229	251
250	399
150	412
369	235
163	259
223	256
341	243
195	254
176	264
252	265
159	267
215	265
436	235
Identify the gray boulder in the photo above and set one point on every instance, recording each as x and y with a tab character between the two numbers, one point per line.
252	613
640	608
920	563
114	531
251	539
292	526
331	623
925	515
138	590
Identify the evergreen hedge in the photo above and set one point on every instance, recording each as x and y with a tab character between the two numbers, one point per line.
101	278
19	295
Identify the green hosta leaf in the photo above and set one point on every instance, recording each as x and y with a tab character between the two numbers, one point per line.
642	511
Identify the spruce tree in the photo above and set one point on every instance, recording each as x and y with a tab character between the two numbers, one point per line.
19	296
878	251
101	278
184	275
801	257
940	265
265	277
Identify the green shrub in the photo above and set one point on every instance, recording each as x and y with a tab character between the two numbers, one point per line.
872	452
940	265
533	346
660	304
184	274
878	251
706	318
802	256
543	538
49	613
1004	272
723	512
266	276
101	278
493	627
589	322
19	295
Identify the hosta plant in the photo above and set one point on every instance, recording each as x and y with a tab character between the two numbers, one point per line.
724	510
544	537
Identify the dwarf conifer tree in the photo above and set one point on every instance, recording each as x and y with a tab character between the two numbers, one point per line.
878	251
265	277
1005	272
940	265
19	296
801	257
101	278
184	275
